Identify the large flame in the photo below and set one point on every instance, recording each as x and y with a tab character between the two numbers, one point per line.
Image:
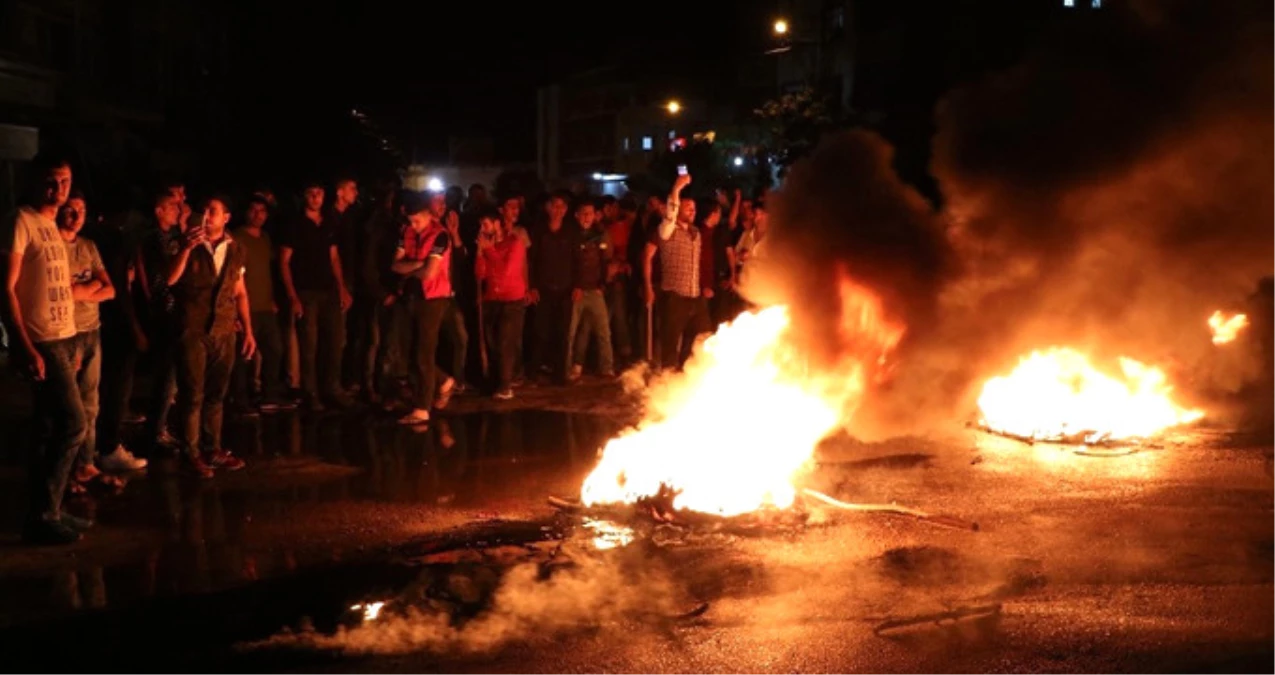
1226	328
1056	394
729	434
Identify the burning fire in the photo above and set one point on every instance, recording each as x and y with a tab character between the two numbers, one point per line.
1057	395
1225	328
729	434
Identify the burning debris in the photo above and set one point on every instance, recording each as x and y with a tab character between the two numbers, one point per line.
1226	328
1057	396
694	444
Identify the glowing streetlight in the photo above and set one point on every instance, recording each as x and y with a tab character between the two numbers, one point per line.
781	27
738	161
673	107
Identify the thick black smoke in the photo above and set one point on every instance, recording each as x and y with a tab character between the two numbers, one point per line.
1107	194
845	212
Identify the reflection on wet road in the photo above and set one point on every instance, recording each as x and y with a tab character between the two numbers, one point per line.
316	491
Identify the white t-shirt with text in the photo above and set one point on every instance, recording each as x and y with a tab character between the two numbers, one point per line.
44	283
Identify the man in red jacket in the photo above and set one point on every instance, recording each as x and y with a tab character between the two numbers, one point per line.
501	266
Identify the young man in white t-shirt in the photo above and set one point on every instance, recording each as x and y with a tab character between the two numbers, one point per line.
39	314
90	286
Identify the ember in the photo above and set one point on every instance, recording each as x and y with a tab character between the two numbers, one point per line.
1226	328
1056	395
695	443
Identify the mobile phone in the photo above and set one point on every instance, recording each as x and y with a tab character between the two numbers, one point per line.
681	169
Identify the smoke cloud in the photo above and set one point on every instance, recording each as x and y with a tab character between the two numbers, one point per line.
1108	194
526	605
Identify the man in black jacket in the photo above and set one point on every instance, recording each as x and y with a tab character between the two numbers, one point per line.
552	276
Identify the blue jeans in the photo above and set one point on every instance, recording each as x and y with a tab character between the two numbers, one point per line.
88	380
59	428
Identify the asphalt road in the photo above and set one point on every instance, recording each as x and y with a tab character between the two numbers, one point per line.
1156	561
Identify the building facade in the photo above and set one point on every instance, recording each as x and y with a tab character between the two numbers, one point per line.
125	86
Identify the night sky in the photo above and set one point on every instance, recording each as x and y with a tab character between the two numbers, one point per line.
463	68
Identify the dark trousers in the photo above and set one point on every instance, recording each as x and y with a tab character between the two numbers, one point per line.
552	320
502	323
390	348
427	318
204	363
163	342
321	331
454	328
262	375
59	428
88	380
360	323
618	304
683	319
119	360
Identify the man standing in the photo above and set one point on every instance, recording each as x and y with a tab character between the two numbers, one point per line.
502	264
685	312
552	259
424	258
454	318
123	337
40	322
588	307
310	264
347	220
620	277
90	286
158	245
209	292
259	255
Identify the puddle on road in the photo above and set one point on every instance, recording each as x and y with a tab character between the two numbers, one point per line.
183	537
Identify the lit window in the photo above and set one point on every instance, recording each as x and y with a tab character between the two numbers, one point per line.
672	135
1097	4
1069	3
626	143
646	142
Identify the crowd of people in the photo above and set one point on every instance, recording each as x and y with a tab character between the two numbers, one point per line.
399	301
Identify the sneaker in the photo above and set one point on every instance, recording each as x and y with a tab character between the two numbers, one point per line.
85	474
134	418
503	394
167	440
121	461
223	459
75	522
576	372
198	467
48	533
445	391
416	416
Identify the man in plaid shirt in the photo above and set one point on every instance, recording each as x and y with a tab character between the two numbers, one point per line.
685	301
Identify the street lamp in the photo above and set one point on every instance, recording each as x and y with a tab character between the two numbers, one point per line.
673	107
781	27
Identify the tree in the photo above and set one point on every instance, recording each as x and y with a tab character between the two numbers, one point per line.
795	122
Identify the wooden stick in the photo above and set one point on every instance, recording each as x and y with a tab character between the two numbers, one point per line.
945	521
939	617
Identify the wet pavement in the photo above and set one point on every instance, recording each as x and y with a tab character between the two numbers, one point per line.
1160	560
